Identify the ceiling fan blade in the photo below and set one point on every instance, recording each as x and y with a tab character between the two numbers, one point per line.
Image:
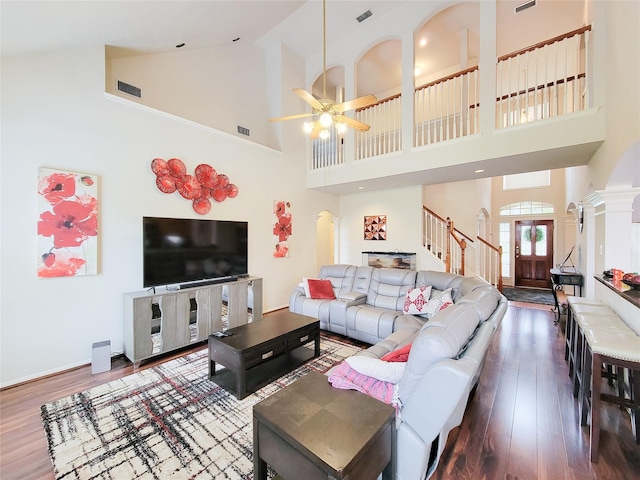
363	127
360	102
307	97
291	117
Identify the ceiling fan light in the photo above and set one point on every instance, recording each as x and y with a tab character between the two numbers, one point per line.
324	134
326	120
307	127
341	127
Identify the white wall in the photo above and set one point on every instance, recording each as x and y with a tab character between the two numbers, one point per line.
403	208
227	91
55	114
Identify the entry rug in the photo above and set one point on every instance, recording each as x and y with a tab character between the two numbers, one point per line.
529	295
167	421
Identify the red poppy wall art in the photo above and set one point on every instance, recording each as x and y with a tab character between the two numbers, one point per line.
205	183
281	228
67	224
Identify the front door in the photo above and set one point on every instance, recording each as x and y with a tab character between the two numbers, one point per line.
533	253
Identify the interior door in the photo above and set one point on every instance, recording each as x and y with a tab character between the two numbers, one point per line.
533	253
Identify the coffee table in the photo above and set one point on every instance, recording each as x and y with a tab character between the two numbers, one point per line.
310	430
259	352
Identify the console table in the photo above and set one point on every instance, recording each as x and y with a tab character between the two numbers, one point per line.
562	277
158	322
310	430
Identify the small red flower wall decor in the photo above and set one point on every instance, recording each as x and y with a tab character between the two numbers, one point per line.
204	184
281	228
67	224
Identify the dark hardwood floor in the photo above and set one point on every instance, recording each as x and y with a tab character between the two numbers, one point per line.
522	422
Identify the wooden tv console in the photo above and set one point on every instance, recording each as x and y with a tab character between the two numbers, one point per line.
159	322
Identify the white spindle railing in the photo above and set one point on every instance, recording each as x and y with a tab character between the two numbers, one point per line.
541	81
446	108
434	233
489	263
545	80
385	134
327	152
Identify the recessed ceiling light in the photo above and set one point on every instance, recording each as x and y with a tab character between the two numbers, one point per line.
480	170
423	42
417	71
180	45
360	188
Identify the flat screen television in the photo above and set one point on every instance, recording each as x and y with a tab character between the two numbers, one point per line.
182	250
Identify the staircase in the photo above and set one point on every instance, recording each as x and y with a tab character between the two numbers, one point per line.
448	245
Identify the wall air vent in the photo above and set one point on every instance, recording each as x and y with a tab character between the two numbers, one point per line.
524	6
243	131
364	16
130	89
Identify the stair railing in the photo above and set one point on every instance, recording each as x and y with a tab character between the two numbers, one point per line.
454	260
434	233
490	263
437	235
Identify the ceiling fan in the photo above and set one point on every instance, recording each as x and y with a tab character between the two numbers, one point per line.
325	111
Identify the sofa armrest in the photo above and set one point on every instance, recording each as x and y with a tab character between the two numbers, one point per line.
338	307
354	298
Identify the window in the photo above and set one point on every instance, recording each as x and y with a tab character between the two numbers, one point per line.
526	180
526	208
505	243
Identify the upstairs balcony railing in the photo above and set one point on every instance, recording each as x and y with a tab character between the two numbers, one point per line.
447	108
385	134
544	80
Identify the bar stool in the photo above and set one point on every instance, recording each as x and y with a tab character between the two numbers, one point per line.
618	348
600	317
578	305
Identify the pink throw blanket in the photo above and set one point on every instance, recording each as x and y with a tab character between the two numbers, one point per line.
346	378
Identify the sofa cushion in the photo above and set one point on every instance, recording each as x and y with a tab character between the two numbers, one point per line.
484	299
320	289
389	287
433	343
416	300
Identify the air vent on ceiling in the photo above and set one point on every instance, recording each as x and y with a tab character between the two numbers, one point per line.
243	131
524	6
130	89
364	16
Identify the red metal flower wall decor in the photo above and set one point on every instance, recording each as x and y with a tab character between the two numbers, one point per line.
205	183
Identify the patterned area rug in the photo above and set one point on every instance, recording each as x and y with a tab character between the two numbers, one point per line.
529	295
168	421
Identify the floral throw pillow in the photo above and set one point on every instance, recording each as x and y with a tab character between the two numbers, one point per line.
416	300
439	302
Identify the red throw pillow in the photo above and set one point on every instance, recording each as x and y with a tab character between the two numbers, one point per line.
399	355
321	289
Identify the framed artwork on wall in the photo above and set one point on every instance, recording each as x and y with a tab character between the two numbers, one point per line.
67	223
375	227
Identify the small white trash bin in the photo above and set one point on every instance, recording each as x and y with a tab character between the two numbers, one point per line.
101	357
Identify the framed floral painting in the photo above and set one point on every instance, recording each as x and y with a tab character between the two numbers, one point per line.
281	228
67	224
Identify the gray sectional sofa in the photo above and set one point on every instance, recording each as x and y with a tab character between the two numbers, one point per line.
448	348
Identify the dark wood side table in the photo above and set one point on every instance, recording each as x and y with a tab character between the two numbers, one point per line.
310	430
259	352
560	278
